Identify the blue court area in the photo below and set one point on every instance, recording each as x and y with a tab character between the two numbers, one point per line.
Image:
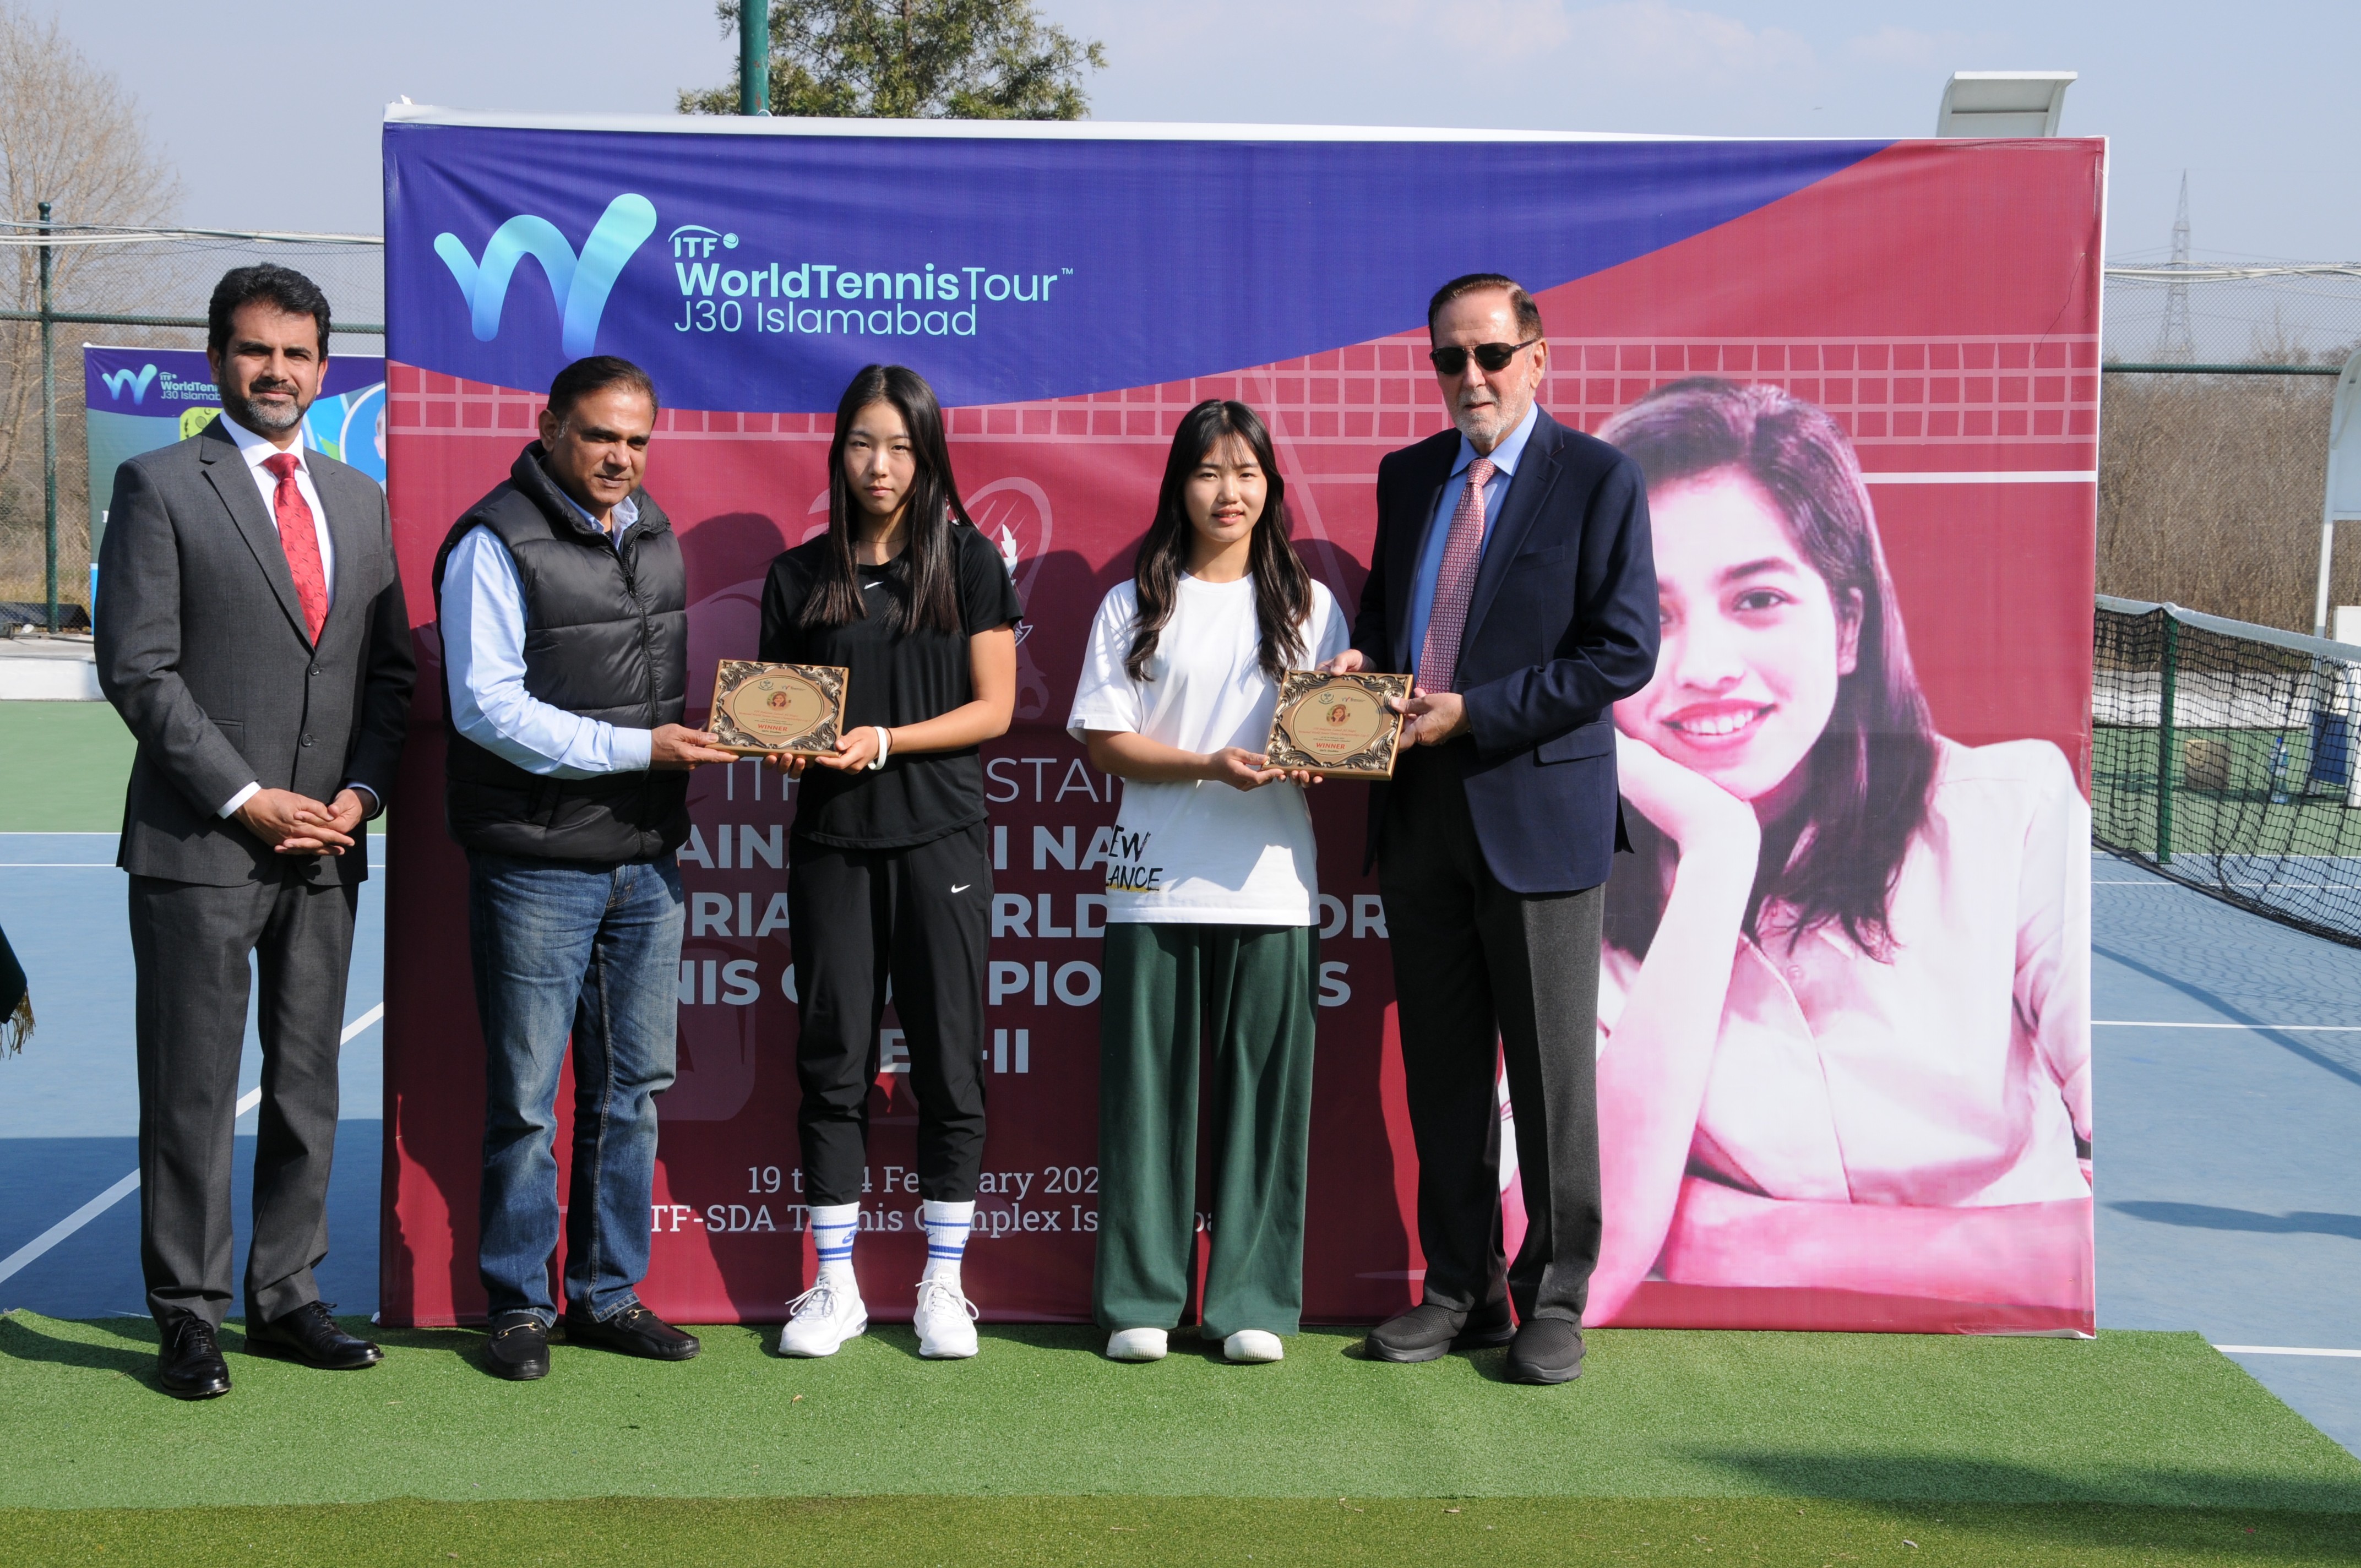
2229	1106
69	1107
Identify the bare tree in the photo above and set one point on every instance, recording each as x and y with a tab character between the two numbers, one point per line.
961	60
70	136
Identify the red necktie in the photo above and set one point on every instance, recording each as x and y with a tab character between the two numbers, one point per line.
1455	585
303	545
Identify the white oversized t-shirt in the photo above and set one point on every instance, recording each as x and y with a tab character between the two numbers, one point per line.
1204	853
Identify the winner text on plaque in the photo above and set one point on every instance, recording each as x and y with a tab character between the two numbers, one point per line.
760	709
1337	725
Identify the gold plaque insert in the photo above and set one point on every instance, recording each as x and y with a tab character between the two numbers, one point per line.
759	709
1338	726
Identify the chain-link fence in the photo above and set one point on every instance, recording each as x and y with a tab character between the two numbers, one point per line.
62	286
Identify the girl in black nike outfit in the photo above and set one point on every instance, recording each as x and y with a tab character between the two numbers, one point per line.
889	876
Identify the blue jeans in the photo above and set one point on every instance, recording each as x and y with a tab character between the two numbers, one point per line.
596	950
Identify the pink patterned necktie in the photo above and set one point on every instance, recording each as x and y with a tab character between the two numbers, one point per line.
296	536
1455	585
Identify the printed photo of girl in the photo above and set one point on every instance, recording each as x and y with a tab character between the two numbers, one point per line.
1844	1009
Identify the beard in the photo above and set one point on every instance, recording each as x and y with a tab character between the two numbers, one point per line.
265	419
1485	424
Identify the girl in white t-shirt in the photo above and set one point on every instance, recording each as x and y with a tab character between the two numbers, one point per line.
1211	925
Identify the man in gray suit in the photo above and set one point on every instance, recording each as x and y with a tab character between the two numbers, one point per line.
252	634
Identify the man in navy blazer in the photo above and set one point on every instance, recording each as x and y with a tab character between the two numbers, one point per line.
1513	574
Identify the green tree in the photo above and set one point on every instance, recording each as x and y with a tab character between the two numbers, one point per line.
961	60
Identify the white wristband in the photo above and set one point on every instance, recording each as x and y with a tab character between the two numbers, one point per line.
885	744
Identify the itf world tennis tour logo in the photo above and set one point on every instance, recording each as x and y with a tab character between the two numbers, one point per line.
723	292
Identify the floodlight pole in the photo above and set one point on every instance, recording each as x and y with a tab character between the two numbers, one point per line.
48	428
754	57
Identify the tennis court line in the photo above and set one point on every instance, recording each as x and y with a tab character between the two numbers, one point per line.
32	1250
2251	1028
2282	1350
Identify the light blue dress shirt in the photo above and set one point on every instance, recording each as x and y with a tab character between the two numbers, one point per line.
482	616
1504	458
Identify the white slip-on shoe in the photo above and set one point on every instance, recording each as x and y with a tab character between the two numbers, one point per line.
1253	1345
822	1319
945	1321
1136	1344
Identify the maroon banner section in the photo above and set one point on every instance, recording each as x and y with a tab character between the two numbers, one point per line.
1939	301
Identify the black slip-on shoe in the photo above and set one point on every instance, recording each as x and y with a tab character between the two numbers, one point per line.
310	1334
634	1331
1546	1350
189	1362
519	1348
1425	1332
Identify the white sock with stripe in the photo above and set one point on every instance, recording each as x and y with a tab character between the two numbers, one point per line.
833	1227
947	1228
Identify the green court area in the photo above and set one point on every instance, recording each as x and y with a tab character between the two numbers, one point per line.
1786	1448
2234	792
62	767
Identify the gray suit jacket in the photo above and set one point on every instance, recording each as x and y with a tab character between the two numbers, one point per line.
203	650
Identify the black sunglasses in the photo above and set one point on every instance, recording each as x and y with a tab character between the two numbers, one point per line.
1453	361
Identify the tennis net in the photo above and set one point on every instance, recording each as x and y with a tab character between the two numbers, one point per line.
2222	756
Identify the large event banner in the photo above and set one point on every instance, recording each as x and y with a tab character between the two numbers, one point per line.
1876	581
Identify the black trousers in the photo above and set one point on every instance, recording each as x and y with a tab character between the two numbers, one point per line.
921	917
1485	976
191	946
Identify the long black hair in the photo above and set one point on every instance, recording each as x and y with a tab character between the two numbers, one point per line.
930	593
1282	587
1870	771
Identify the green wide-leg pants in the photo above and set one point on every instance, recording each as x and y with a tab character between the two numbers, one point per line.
1247	993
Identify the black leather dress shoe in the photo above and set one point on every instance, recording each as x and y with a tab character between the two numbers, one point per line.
189	1362
634	1331
1548	1350
1425	1332
519	1348
310	1335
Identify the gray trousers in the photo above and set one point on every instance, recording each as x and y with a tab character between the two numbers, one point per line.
191	945
1485	978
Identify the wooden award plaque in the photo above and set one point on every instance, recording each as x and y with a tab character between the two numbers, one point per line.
760	709
1337	726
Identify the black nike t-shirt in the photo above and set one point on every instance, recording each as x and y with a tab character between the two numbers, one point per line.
896	678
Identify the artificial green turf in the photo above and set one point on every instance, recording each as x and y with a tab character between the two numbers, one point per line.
2128	1419
1150	1532
62	767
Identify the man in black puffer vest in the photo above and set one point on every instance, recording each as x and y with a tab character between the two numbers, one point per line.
564	610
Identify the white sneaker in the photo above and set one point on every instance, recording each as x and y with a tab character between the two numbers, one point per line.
822	1319
945	1321
1253	1345
1136	1345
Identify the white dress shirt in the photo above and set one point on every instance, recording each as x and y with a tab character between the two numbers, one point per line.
483	625
257	450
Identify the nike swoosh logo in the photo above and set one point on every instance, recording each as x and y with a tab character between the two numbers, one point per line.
963	887
865	587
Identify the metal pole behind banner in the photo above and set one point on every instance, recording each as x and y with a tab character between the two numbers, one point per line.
48	429
754	56
2341	494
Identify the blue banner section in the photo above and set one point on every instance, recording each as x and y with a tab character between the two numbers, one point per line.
758	272
137	400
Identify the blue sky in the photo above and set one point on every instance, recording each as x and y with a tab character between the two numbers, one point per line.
270	113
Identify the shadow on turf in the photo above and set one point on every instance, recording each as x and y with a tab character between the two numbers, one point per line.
1896	1479
2205	1216
135	1356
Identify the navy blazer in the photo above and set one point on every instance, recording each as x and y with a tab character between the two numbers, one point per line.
1561	625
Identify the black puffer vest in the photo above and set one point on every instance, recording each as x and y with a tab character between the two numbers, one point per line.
606	637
